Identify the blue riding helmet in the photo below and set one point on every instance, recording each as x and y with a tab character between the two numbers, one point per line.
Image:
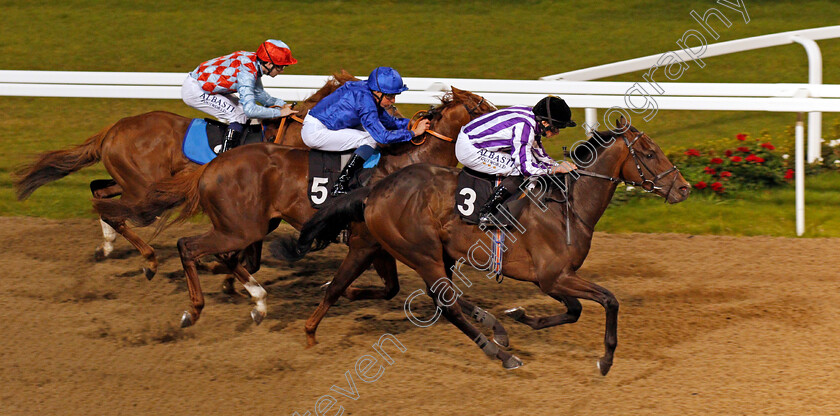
386	80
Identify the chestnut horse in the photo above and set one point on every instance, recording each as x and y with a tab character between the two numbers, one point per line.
424	231
138	151
247	191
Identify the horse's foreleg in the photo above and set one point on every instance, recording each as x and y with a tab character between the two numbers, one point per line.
357	260
570	286
573	310
386	266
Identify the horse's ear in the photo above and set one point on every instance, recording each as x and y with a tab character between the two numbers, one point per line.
457	91
621	123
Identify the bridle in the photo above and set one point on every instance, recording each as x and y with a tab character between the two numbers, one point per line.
648	185
473	113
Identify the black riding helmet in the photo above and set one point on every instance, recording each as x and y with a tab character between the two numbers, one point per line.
555	111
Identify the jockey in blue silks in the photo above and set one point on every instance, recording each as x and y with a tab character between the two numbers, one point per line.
354	117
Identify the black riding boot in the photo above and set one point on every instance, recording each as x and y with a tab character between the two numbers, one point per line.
350	169
231	140
500	194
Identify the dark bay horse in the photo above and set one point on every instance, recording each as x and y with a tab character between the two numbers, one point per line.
138	151
247	191
411	213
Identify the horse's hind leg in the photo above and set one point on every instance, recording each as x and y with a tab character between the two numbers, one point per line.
101	189
570	286
212	242
486	319
251	285
442	291
145	249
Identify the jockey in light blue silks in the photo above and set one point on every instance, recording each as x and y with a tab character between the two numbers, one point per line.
210	87
354	117
508	142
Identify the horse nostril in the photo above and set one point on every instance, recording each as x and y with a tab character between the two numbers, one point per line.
685	190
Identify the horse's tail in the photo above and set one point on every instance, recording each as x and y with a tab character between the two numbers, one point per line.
323	227
164	195
52	166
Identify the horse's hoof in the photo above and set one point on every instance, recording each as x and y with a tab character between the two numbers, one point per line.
228	288
502	341
99	254
516	313
257	316
603	366
325	286
512	363
149	273
186	320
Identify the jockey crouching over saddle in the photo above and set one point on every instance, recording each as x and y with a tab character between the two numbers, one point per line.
210	87
354	117
508	143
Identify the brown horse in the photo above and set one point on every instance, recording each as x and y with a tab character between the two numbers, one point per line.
138	151
424	231
247	191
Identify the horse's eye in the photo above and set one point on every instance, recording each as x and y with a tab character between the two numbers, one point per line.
650	155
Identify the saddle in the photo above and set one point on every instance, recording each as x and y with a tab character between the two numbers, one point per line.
475	188
324	170
204	137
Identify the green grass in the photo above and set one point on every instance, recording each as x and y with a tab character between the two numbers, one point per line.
468	39
768	212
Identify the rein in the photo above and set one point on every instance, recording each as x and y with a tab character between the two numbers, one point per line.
414	120
648	185
281	129
413	123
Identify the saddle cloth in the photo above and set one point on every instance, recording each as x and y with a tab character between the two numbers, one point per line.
473	191
324	170
204	137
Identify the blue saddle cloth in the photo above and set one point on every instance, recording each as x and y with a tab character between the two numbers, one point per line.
196	147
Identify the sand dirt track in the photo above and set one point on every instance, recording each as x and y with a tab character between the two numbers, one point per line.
707	326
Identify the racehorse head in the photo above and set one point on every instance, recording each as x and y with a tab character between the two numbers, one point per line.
457	108
648	167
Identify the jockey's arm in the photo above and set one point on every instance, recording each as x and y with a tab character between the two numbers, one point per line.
393	123
250	92
369	117
522	151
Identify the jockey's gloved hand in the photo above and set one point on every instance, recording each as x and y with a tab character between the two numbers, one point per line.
563	167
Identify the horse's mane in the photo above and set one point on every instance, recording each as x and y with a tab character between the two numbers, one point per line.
338	79
584	152
434	114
